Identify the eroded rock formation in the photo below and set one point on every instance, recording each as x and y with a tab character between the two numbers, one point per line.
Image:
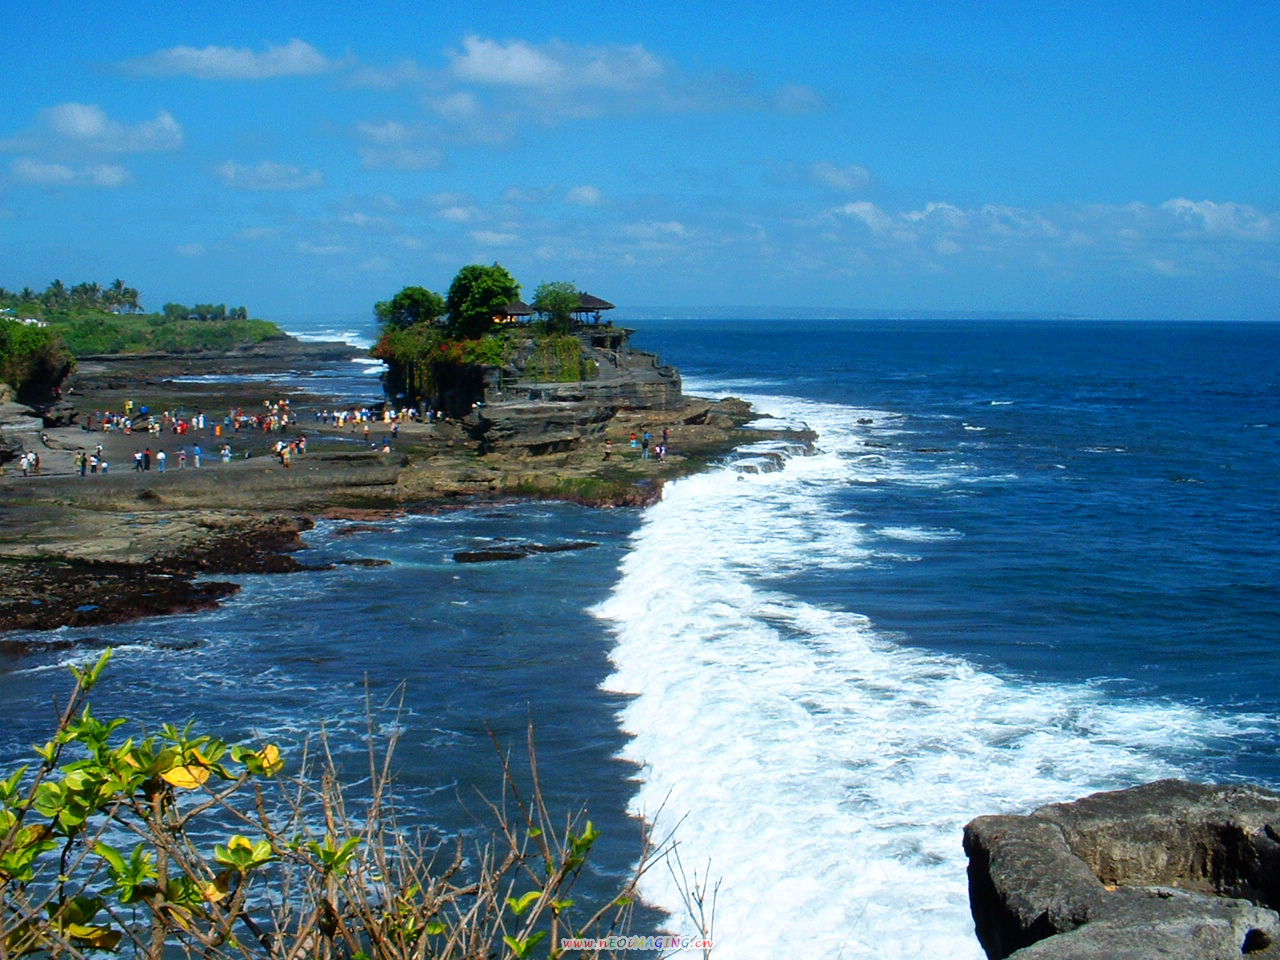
1169	869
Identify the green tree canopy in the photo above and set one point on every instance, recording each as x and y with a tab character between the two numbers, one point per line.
477	295
411	305
555	302
32	359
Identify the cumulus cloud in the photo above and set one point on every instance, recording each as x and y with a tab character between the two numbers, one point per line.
267	176
868	213
583	196
295	58
30	170
1179	238
1233	219
85	128
556	80
554	65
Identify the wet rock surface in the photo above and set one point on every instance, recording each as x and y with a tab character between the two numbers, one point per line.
518	551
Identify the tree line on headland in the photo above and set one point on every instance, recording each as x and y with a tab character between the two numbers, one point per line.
41	333
425	336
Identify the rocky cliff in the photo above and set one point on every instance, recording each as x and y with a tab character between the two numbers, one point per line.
516	412
1169	869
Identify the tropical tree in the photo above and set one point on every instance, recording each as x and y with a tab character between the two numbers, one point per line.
555	302
477	295
411	305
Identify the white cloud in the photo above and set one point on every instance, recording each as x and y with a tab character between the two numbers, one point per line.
583	196
321	250
363	220
851	177
797	98
653	230
82	129
457	107
516	63
385	133
1235	219
387	78
944	215
1180	238
400	158
871	215
30	170
191	249
267	176
295	58
458	213
79	121
491	238
556	80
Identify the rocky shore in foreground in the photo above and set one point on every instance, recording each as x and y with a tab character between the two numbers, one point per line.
82	550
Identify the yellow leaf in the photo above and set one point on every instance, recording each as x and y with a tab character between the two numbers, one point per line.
239	841
102	937
270	757
186	777
217	891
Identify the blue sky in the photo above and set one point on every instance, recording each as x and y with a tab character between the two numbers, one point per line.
1096	159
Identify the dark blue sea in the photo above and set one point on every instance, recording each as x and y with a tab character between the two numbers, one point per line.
1027	560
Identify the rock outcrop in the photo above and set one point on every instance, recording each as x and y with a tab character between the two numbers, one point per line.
1170	869
19	428
516	412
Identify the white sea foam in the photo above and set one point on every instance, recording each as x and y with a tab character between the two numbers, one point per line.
919	534
352	337
823	771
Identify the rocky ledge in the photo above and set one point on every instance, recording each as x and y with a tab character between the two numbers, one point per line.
1170	870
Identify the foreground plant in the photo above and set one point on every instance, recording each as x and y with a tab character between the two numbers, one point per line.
178	843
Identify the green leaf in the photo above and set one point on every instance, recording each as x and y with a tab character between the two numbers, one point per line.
520	906
114	860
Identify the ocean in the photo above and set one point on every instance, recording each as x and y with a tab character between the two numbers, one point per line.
1027	560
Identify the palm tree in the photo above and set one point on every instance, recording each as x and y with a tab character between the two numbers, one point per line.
114	297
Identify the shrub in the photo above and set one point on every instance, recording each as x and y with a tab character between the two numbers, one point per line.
181	844
32	358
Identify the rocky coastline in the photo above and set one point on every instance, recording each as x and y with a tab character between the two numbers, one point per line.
102	548
1169	869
